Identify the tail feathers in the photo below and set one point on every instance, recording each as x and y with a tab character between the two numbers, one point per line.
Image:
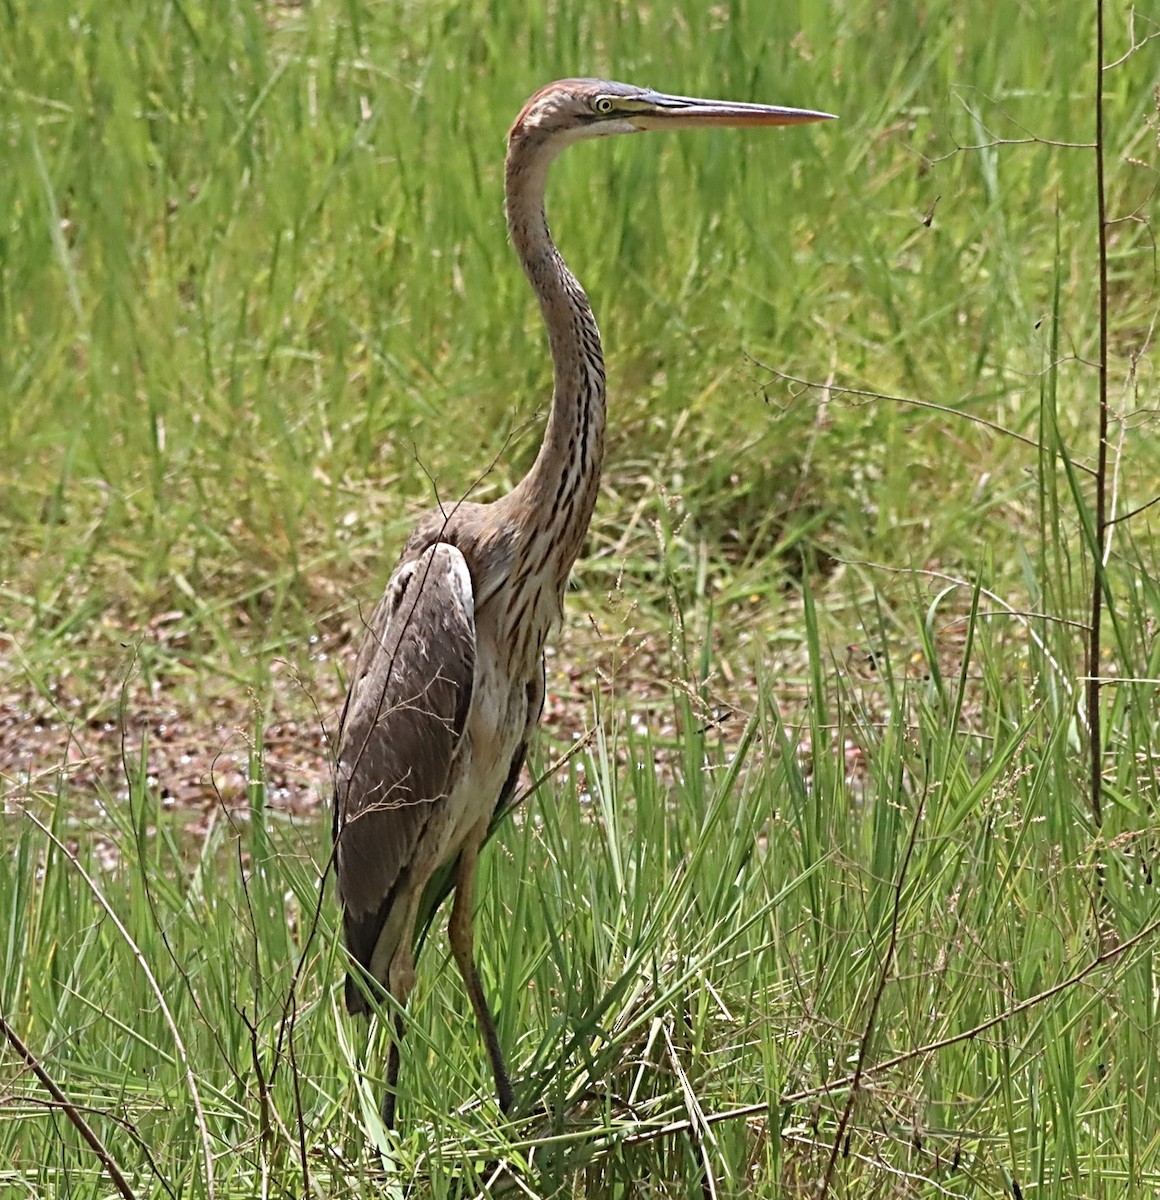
356	993
369	942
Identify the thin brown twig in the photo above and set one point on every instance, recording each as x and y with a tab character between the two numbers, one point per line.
50	1104
1030	138
1134	512
1109	955
1000	141
876	999
839	389
69	1109
878	1163
140	859
295	1077
699	1132
1136	45
584	740
155	987
1024	614
1093	684
747	1111
807	458
994	597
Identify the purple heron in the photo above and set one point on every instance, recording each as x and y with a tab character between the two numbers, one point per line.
448	685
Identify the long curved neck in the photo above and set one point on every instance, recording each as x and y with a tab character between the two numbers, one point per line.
558	494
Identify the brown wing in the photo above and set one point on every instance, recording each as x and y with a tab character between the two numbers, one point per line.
401	729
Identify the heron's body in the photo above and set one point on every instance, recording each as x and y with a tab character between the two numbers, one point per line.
505	614
449	681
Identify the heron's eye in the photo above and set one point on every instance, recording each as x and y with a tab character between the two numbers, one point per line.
602	105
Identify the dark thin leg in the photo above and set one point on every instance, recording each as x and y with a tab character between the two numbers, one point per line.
390	1095
400	981
463	949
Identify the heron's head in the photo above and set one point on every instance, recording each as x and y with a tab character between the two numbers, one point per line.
574	109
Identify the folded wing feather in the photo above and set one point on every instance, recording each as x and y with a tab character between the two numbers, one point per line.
400	732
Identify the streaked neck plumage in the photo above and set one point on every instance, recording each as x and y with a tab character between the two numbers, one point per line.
558	494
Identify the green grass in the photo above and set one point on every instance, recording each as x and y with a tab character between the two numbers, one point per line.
256	303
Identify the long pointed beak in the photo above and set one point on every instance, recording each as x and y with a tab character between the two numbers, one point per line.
659	111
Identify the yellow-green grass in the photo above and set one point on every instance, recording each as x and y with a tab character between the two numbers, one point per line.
257	308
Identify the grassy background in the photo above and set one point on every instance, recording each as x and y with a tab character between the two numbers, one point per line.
255	298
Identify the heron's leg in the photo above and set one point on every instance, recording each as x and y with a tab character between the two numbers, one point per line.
462	946
390	1092
400	981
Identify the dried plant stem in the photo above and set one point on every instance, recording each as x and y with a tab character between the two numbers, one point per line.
69	1109
155	987
883	979
1093	673
845	1082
